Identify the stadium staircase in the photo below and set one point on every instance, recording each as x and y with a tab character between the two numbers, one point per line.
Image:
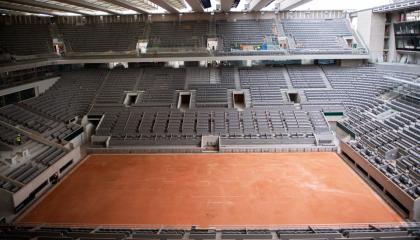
214	76
54	31
139	78
324	77
280	29
236	78
287	79
212	29
147	30
99	90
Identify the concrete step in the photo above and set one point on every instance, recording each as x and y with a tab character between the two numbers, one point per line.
214	76
287	78
236	78
324	77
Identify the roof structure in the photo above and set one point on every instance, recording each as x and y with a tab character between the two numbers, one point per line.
126	7
398	5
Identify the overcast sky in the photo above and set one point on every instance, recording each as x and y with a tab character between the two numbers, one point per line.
341	4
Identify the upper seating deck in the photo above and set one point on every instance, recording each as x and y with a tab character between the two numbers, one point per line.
26	39
76	90
269	119
245	32
117	37
242	37
39	158
188	34
322	35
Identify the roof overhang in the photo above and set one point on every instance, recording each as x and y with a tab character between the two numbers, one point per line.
284	5
126	4
47	5
195	5
88	5
406	5
125	7
165	5
226	5
28	9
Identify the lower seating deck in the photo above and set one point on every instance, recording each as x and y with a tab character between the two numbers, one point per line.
403	231
38	157
269	119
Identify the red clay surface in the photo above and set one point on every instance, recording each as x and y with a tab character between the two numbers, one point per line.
212	189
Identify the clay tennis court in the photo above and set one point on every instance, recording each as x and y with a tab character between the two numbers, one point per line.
212	189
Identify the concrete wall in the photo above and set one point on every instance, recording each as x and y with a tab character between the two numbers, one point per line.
24	192
364	19
393	56
6	201
387	185
371	27
416	210
76	141
40	86
408	68
351	63
377	36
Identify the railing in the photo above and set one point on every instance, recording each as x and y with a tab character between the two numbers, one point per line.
377	225
158	50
